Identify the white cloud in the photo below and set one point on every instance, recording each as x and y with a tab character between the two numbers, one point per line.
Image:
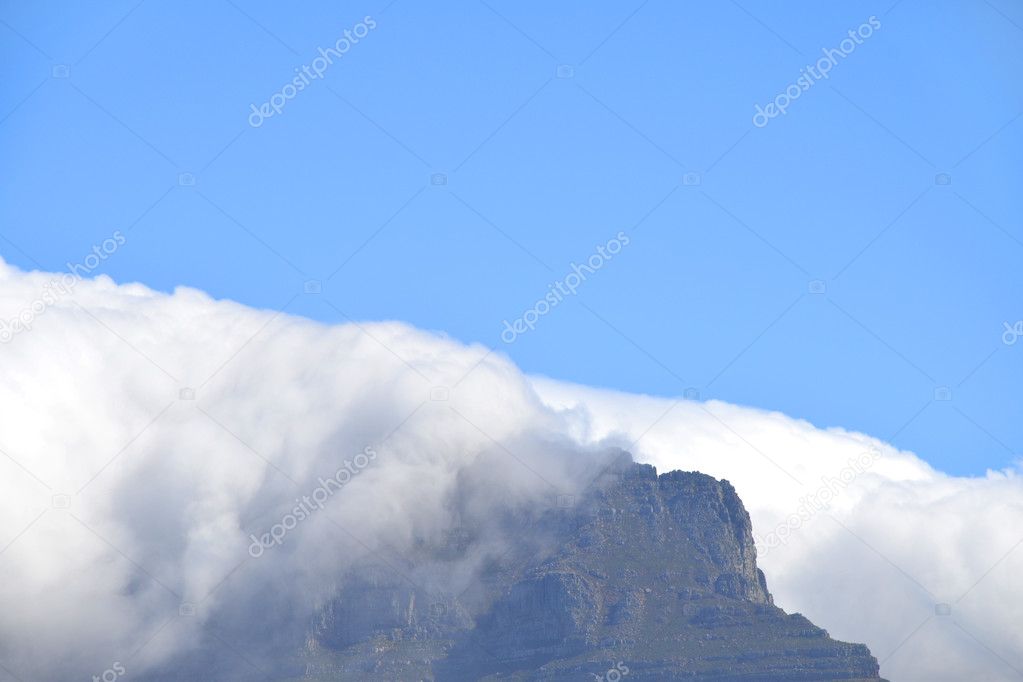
164	490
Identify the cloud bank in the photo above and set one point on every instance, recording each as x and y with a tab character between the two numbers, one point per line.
178	472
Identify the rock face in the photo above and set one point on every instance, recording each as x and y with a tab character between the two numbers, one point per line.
643	577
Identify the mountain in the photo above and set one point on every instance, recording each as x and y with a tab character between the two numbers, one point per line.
640	577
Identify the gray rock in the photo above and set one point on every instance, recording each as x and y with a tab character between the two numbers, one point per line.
655	574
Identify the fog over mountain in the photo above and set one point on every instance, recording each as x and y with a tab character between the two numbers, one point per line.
179	473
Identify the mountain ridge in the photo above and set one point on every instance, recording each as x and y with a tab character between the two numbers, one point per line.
656	572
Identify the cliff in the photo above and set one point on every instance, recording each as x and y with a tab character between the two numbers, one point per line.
643	577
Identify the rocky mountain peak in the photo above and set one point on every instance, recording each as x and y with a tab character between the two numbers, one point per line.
654	572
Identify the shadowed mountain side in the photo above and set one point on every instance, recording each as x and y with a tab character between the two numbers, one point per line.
653	574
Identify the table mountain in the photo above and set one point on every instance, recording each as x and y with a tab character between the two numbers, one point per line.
641	576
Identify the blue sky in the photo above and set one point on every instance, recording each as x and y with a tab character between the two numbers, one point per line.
842	263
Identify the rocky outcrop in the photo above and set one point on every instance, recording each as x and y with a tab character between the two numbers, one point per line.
653	575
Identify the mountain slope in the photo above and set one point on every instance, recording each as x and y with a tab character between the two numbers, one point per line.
653	575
